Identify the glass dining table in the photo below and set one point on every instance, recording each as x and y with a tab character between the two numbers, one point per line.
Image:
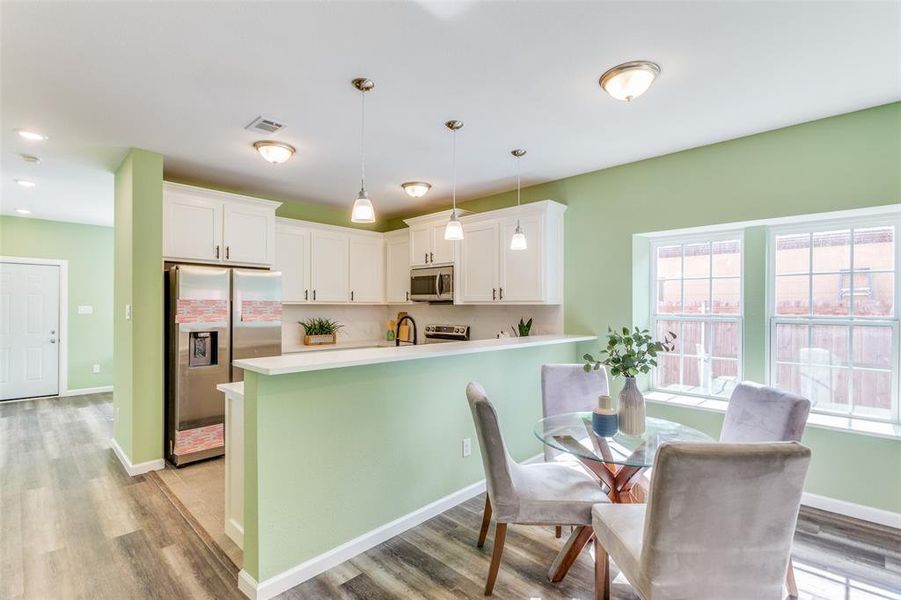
617	462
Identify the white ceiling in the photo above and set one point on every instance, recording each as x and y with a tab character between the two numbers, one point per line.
183	79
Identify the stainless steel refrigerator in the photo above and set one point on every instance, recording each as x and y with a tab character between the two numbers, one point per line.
214	315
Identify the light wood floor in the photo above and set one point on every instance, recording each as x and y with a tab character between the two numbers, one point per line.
74	525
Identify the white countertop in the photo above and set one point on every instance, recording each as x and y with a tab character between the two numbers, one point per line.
317	361
339	346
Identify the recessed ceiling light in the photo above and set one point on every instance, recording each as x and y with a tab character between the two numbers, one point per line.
31	135
274	152
416	189
23	211
30	158
25	183
629	80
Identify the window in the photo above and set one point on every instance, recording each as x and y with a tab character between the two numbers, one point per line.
697	294
833	316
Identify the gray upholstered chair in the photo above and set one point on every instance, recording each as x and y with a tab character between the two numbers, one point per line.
535	494
719	523
567	388
757	413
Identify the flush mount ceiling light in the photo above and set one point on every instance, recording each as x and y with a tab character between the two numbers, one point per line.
25	183
416	189
31	135
453	231
629	80
23	211
274	152
30	158
518	241
363	211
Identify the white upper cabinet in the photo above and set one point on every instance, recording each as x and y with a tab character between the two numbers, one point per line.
367	268
397	266
443	251
292	258
216	227
478	276
427	243
329	256
420	245
490	272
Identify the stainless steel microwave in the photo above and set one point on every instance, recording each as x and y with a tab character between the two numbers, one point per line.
432	284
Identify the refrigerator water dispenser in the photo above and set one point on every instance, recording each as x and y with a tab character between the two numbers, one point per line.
202	348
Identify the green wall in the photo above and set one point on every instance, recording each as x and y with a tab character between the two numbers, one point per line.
89	252
844	162
330	455
138	341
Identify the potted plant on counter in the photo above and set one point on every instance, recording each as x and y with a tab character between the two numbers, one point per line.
320	331
627	354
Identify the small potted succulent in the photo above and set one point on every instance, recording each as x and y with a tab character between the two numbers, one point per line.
627	354
320	331
523	328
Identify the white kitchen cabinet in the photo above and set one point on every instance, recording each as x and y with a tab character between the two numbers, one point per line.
397	266
366	268
489	272
329	258
202	225
427	243
521	278
443	251
420	245
479	263
292	258
192	226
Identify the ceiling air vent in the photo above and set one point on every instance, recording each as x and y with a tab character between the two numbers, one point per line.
264	125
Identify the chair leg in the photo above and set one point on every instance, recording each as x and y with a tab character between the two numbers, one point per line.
601	572
790	582
558	532
500	534
486	521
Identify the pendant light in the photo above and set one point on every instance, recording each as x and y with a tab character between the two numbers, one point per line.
363	212
518	241
454	229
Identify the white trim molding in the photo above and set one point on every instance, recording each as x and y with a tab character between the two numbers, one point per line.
850	509
135	469
85	391
275	585
62	361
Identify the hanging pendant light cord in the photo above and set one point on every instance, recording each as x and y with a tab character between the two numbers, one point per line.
362	140
455	169
518	181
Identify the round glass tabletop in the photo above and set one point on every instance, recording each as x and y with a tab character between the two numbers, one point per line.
572	433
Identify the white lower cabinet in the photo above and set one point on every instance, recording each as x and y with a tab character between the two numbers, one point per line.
292	258
329	254
478	276
366	268
397	266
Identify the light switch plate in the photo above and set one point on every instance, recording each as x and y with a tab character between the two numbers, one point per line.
127	312
85	309
467	447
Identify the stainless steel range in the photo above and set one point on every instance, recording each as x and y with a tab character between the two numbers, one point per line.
446	333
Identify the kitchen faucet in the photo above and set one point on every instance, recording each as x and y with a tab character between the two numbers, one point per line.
397	332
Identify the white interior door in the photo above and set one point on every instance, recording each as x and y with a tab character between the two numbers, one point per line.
29	330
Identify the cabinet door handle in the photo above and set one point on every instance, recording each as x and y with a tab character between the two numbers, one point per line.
217	251
314	294
351	295
493	293
227	248
426	257
431	257
306	294
502	293
408	296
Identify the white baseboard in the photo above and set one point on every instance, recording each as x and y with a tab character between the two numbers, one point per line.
85	391
138	469
850	509
319	564
235	532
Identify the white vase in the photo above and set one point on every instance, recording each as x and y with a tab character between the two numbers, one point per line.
631	409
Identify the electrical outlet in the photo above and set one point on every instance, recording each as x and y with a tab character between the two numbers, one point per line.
467	447
96	369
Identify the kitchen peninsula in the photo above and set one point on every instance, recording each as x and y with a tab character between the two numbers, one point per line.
344	449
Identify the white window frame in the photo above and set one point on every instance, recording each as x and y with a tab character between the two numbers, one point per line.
694	238
888	321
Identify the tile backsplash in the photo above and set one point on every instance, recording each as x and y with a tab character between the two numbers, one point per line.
368	323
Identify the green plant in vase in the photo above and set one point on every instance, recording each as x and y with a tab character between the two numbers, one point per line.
523	328
627	354
320	331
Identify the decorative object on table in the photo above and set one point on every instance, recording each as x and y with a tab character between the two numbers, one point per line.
604	420
628	354
320	331
523	328
502	334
